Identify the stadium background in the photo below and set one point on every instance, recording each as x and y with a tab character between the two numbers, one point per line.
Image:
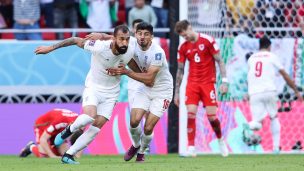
30	85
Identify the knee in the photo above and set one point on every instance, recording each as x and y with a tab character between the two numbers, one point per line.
134	123
148	129
211	117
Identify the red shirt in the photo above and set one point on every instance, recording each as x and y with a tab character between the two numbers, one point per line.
54	121
200	57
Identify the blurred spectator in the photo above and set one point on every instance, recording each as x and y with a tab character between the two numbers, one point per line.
6	9
142	11
46	7
160	8
26	16
113	12
65	10
99	14
240	10
129	4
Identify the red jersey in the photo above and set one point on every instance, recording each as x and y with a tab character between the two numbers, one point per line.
54	121
200	57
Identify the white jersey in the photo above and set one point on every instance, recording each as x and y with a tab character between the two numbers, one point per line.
155	56
133	84
103	58
262	70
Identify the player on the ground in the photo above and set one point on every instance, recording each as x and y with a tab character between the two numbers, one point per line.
46	127
156	99
263	67
202	52
101	89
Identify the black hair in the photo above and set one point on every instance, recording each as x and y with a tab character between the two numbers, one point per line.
75	136
145	26
122	28
137	21
264	42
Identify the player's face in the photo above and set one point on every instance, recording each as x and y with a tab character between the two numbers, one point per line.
187	34
121	42
144	38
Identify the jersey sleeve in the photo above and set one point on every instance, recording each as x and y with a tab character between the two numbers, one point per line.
181	56
55	126
158	58
94	46
276	62
211	44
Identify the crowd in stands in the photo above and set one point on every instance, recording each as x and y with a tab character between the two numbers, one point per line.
94	14
242	15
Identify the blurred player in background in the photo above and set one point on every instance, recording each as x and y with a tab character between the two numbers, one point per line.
46	127
155	97
263	67
101	88
202	52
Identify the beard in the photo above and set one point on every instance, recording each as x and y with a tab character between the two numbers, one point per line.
122	49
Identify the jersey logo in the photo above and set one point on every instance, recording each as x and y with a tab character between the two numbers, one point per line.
201	47
158	56
92	43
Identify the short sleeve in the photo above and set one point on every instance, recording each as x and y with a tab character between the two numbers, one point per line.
276	62
158	59
94	46
181	54
211	44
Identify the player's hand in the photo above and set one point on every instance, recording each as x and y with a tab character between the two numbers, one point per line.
299	97
120	70
224	88
43	49
94	36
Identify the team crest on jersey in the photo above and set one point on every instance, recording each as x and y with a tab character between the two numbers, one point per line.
92	43
201	47
158	56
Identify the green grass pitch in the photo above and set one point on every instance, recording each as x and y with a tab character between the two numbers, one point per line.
159	162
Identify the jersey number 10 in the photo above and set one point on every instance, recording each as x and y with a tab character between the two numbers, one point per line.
258	69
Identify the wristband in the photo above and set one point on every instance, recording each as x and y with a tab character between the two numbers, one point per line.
224	80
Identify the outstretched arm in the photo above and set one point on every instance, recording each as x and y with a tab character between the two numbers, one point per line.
291	84
221	64
179	78
45	146
64	43
98	36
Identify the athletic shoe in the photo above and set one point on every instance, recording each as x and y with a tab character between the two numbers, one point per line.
223	148
140	158
26	150
62	136
131	153
68	159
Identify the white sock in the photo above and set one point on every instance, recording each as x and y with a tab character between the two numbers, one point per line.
136	133
276	132
81	121
145	141
84	140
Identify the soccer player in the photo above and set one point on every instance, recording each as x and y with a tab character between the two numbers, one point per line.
202	52
46	127
155	97
101	89
263	67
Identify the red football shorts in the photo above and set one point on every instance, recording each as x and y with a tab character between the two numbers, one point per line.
201	92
